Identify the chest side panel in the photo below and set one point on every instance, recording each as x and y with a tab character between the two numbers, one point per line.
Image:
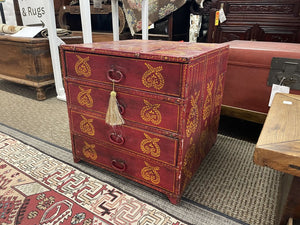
146	75
203	106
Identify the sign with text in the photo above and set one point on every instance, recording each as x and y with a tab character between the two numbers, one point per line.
32	12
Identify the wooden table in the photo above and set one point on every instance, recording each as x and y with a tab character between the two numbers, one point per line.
278	147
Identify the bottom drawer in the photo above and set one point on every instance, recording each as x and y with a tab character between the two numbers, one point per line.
124	163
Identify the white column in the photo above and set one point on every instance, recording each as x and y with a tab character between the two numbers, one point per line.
9	12
145	13
115	19
85	13
53	42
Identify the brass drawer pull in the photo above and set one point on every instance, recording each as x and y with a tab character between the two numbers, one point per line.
118	165
121	108
114	75
116	138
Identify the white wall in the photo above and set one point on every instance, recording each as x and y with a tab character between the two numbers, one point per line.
9	12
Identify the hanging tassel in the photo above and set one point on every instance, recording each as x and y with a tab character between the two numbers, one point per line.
113	116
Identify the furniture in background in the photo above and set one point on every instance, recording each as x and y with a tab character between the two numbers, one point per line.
173	27
278	147
28	61
247	91
260	20
169	95
101	19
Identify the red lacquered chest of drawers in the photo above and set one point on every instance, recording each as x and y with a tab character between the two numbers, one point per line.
169	95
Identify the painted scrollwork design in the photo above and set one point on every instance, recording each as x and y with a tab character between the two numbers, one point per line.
84	97
89	151
219	94
82	68
150	173
193	119
150	113
153	78
150	146
208	101
86	126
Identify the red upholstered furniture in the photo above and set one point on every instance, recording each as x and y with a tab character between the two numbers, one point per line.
246	93
170	96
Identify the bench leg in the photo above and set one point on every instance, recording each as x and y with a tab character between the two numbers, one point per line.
291	208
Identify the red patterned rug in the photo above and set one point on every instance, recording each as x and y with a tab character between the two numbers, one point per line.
38	189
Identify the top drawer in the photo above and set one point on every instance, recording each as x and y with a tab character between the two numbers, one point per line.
147	75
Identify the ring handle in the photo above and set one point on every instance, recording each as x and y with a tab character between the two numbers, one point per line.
118	165
121	109
114	75
116	138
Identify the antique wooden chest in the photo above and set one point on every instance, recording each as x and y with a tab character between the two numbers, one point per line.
169	95
28	61
247	93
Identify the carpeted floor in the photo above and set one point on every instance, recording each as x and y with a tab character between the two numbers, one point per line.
227	184
186	211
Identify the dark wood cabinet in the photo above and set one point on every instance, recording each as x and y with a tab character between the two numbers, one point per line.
260	20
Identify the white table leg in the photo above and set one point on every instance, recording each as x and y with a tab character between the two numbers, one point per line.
115	19
53	43
85	13
145	15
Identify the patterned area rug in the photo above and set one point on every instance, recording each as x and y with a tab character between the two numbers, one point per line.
36	188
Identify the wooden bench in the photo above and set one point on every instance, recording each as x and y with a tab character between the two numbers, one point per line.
246	89
278	147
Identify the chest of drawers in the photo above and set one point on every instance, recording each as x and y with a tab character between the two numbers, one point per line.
169	95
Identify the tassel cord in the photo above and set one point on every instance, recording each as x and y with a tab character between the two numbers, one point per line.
113	116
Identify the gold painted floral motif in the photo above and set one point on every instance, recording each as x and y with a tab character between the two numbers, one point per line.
84	98
89	151
150	146
219	94
150	173
82	68
153	78
150	113
86	126
193	119
208	101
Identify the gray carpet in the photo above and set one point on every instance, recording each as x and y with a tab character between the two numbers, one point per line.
227	189
229	182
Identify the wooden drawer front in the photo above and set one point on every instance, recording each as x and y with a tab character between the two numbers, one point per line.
124	163
134	108
158	147
153	76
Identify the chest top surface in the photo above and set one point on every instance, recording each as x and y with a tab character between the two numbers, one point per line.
148	49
